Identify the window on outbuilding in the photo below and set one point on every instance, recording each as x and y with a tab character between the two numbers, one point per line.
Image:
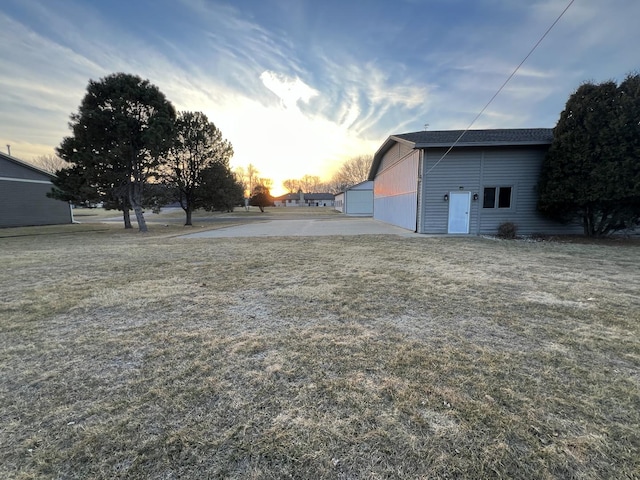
489	198
496	197
504	197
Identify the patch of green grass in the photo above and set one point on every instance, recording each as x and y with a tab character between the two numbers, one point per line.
125	355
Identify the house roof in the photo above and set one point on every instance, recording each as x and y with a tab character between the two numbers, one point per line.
307	196
318	196
464	139
26	165
288	196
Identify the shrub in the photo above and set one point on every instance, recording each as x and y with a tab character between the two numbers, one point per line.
507	230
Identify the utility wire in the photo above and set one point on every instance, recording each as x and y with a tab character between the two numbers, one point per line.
502	87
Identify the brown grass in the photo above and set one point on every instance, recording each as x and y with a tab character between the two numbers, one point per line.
151	356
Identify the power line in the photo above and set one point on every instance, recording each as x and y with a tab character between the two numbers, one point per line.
502	86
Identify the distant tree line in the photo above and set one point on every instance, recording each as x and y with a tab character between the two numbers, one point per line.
131	150
353	171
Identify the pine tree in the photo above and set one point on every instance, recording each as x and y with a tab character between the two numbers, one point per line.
591	173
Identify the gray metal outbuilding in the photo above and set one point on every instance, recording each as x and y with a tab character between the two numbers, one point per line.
23	196
356	200
488	178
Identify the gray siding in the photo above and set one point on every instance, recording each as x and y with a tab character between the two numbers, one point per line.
10	169
458	171
520	169
473	169
24	203
395	189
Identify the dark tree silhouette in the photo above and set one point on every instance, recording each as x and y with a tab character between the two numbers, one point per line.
261	198
591	173
197	148
121	133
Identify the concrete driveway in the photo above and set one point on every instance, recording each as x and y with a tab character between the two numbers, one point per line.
313	227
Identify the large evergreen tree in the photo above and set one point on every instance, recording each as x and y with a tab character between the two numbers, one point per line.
121	132
197	147
591	173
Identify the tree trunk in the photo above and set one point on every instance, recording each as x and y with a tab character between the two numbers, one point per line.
188	221
126	217
142	224
589	222
135	198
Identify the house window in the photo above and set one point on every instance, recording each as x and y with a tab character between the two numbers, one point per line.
496	197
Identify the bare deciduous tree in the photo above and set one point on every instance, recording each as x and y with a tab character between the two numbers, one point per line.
291	185
248	177
310	184
50	162
353	171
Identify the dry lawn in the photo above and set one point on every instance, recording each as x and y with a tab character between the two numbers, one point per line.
152	356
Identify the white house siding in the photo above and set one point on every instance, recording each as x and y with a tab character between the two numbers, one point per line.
394	155
338	202
395	188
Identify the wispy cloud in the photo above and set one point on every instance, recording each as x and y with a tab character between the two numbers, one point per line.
289	90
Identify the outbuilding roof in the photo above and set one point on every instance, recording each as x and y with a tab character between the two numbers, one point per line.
507	136
464	139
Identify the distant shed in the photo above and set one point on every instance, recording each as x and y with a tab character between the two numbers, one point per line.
23	196
356	200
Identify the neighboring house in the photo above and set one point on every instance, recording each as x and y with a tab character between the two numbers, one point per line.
304	200
23	196
356	200
289	200
488	178
319	199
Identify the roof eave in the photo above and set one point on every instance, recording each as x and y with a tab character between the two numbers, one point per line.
482	144
386	146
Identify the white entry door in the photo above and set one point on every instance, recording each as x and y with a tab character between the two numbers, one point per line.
459	208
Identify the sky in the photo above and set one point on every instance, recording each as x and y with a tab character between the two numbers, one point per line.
299	86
